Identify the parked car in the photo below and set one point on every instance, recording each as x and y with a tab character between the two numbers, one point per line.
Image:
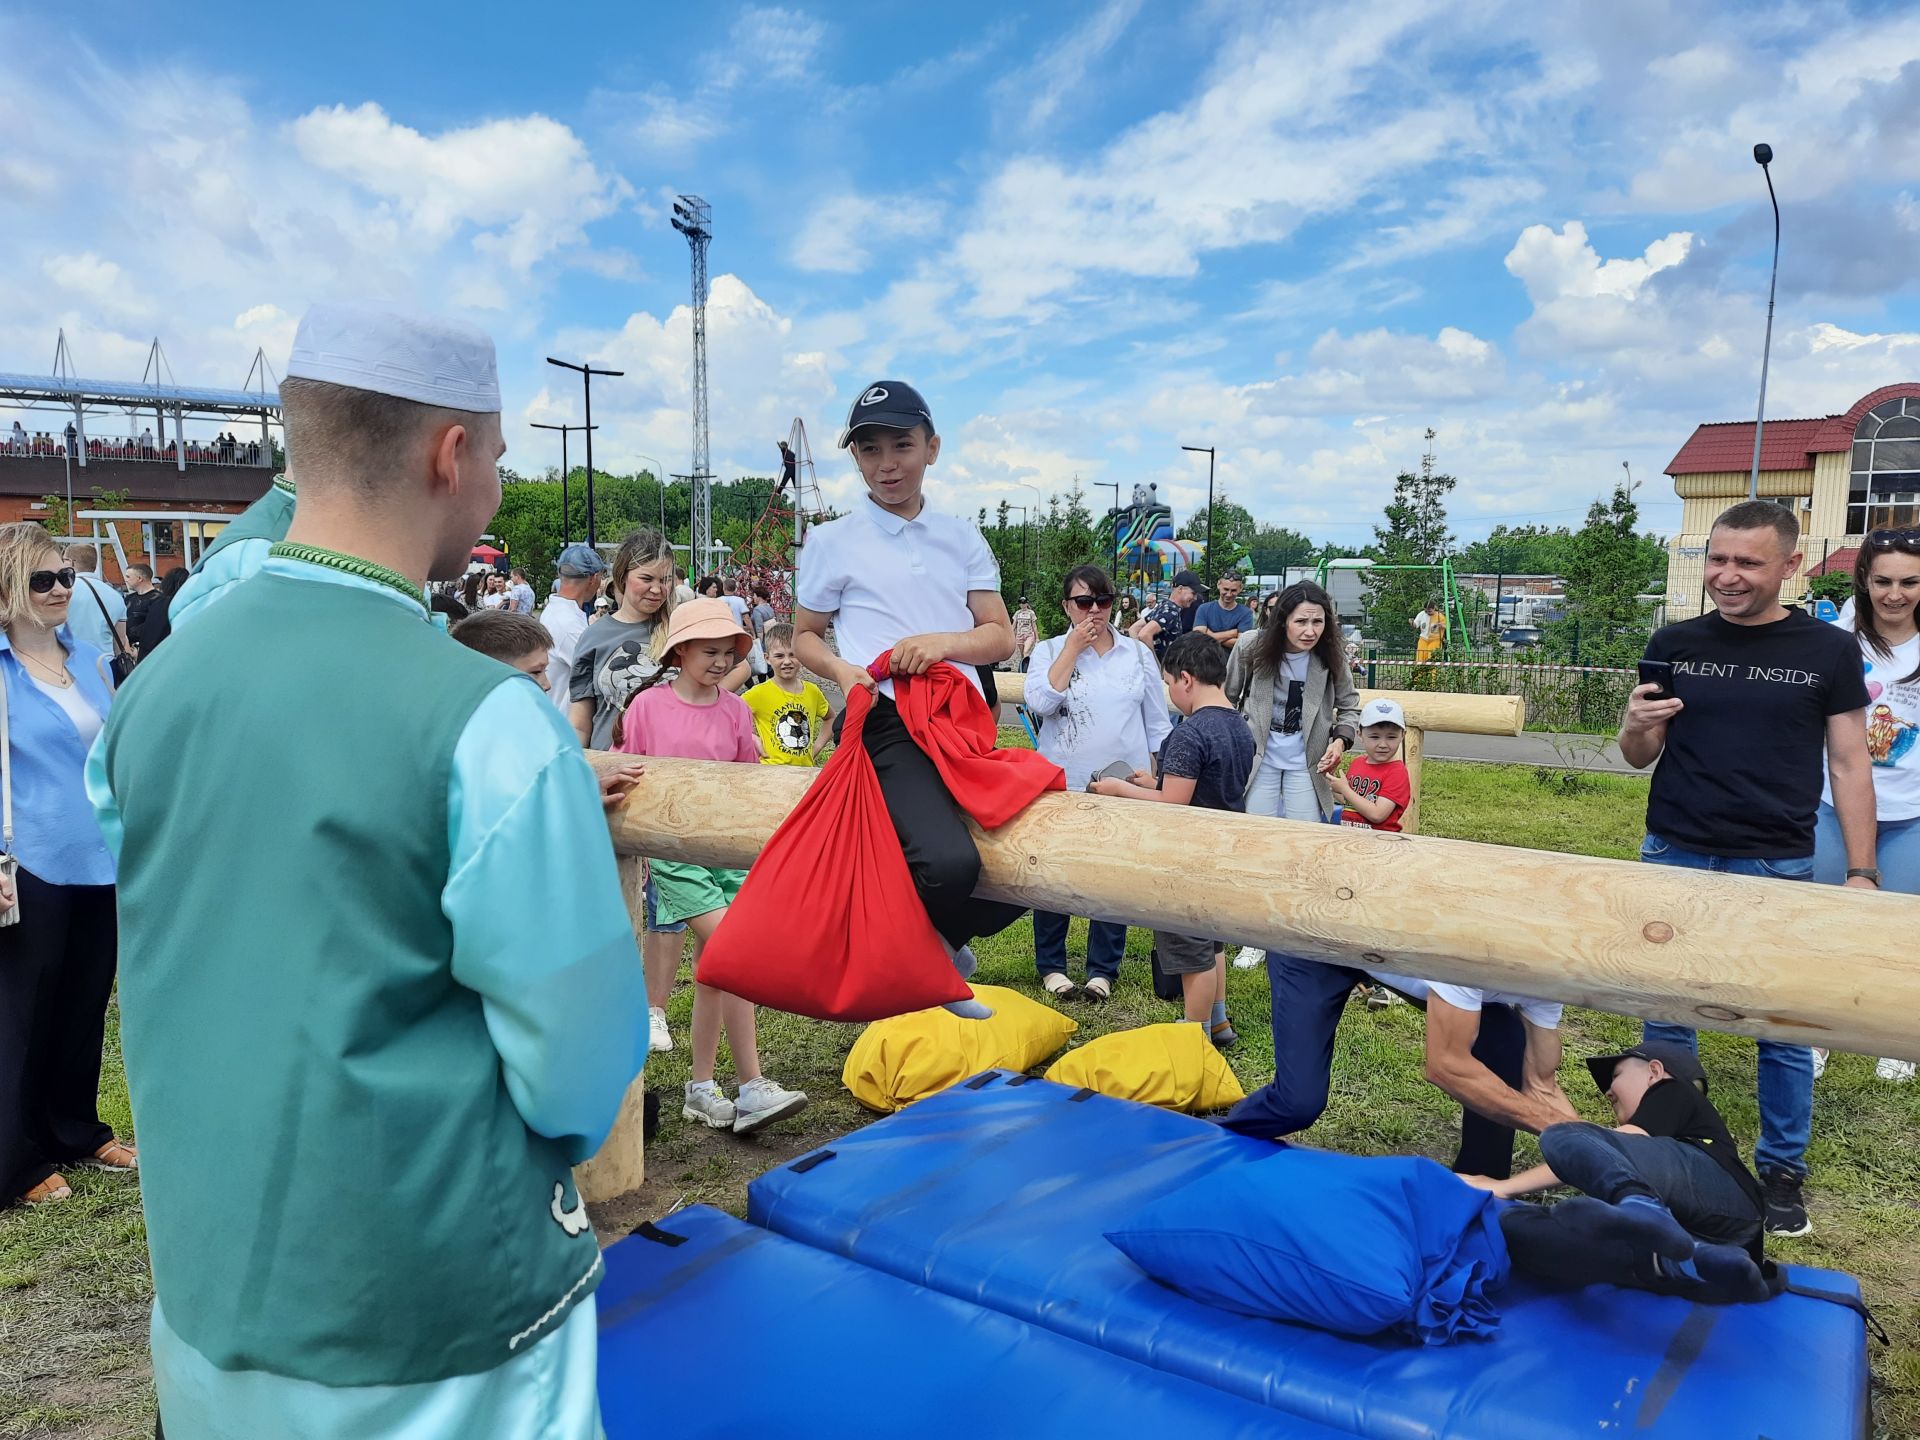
1522	637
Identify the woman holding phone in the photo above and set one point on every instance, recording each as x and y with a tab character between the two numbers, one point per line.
1098	699
1886	595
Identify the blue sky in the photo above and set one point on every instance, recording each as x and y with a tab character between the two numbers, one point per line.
1090	232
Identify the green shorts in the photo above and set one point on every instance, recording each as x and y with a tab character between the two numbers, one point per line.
683	891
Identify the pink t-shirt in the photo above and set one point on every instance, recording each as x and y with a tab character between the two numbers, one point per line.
659	722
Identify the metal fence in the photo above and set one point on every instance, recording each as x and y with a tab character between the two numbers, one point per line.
1584	698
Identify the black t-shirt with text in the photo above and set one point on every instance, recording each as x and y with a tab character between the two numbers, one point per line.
1678	1110
1740	775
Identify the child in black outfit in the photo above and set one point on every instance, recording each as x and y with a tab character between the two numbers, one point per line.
1205	763
1668	1204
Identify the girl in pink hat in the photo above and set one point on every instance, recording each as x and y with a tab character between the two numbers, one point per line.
692	717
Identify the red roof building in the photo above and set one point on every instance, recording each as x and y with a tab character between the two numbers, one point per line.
1842	475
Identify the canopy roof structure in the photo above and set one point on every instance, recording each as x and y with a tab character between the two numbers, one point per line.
59	392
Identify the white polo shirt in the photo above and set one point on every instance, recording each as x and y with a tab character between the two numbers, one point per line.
884	578
1543	1014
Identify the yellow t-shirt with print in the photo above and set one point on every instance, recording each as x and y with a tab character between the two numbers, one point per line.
785	722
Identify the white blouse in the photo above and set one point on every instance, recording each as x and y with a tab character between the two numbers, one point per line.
1114	708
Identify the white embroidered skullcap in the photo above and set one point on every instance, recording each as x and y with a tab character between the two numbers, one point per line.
414	357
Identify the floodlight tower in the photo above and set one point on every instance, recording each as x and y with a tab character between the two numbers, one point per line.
693	218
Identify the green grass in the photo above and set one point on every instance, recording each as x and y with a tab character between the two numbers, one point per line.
73	1285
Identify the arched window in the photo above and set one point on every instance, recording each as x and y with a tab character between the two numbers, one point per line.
1885	488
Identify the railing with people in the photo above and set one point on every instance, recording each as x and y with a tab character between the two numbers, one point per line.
223	450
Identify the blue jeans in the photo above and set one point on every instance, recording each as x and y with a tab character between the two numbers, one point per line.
1106	942
1897	853
1308	1001
1786	1071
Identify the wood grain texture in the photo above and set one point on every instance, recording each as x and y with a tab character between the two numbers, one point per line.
620	1165
1811	964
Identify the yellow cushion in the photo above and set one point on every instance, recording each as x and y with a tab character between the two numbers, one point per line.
1174	1066
909	1057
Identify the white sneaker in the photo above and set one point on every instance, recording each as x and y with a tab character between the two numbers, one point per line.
762	1102
659	1038
1248	958
1900	1072
1819	1062
706	1104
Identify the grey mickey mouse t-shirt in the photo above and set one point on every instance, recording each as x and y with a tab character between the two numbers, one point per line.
614	660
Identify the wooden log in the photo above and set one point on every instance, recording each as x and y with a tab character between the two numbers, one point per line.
620	1165
1415	747
1427	709
1809	964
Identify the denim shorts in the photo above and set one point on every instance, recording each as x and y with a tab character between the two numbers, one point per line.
653	903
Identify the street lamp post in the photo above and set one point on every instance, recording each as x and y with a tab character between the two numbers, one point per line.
587	372
1207	567
1763	154
659	479
1026	544
1023	541
1113	529
566	509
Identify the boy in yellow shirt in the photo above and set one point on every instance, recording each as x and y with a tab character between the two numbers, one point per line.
789	714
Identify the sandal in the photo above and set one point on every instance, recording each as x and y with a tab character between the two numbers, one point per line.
54	1187
1057	985
1099	989
114	1155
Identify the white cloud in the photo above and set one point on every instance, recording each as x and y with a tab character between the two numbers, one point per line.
1037	91
101	283
526	185
840	231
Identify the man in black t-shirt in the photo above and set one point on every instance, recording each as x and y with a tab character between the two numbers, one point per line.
1668	1205
1762	697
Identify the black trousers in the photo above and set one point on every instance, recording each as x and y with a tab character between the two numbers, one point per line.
940	852
1308	1000
56	975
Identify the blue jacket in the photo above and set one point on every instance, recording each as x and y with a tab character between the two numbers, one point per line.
55	834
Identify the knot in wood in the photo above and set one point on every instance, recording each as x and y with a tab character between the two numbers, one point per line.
1372	958
1343	893
1717	1012
1656	932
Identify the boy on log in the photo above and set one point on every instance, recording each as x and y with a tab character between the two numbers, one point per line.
897	575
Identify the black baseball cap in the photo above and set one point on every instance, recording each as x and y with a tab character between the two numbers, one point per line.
1189	579
893	404
1680	1062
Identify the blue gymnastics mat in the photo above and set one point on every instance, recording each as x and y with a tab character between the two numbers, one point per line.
714	1328
998	1191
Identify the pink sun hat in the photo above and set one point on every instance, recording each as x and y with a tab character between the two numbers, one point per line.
706	620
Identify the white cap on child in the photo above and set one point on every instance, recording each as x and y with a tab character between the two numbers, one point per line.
1383	712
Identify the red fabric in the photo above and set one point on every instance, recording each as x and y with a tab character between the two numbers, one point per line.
828	923
949	719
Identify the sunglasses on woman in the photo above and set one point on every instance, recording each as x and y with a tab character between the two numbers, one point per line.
41	581
1895	540
1091	602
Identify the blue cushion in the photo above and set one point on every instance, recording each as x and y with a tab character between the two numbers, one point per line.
999	1191
711	1329
1348	1244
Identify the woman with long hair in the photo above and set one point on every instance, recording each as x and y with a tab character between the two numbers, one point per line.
619	656
1098	700
1290	679
57	958
1886	597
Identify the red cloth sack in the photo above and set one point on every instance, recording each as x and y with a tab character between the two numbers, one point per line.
949	719
828	924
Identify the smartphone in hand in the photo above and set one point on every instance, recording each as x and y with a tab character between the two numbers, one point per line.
1660	673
